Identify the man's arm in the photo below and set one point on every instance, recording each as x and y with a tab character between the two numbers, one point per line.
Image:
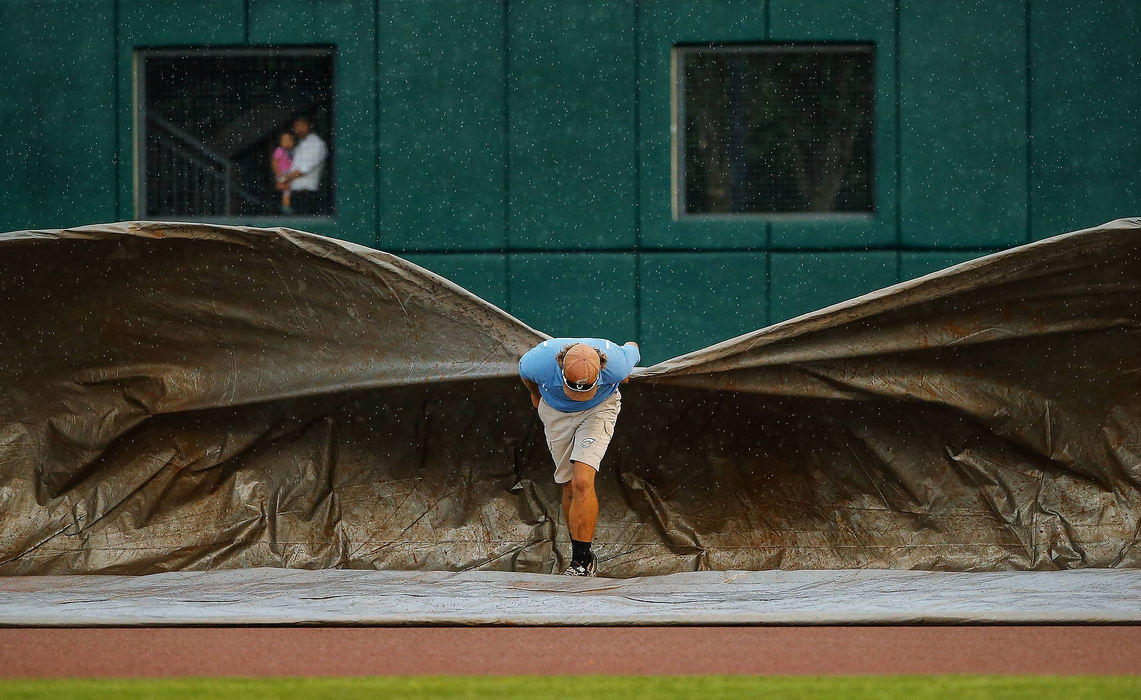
527	369
637	357
534	389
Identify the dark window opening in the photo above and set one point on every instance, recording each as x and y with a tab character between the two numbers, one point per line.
773	129
210	123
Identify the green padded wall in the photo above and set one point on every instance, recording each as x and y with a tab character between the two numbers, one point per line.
571	124
442	125
483	274
1085	100
57	101
691	300
575	294
468	130
803	282
963	128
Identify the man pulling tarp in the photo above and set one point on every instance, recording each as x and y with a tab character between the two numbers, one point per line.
574	386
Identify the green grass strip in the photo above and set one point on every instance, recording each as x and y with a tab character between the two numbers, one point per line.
593	687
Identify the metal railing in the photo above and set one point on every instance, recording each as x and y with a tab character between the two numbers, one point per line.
184	177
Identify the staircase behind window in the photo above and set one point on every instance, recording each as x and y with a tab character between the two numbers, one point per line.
186	178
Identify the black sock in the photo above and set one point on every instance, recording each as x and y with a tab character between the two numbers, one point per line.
580	551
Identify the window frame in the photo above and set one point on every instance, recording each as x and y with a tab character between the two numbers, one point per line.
139	128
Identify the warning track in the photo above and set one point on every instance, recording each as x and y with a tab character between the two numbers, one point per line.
347	651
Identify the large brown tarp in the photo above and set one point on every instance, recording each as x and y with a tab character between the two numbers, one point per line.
187	397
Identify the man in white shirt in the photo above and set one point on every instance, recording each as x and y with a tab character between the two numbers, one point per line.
304	180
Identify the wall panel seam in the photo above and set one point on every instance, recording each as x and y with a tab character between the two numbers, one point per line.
117	119
637	211
898	134
768	224
506	196
691	249
768	288
377	141
1029	132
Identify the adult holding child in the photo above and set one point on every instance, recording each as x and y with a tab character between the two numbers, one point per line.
304	180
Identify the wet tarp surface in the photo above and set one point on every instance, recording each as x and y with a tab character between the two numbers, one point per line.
344	597
191	397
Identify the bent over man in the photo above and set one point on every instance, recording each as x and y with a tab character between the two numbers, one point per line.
574	385
304	180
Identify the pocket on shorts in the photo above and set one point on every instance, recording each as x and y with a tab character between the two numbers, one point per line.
612	417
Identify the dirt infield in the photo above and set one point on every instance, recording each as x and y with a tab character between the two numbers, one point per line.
348	651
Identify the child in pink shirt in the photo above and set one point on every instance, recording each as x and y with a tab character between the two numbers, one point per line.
282	164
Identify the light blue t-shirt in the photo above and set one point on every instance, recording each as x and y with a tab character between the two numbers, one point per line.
539	365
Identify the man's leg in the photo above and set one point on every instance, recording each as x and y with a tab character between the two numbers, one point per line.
580	504
582	512
305	202
567	503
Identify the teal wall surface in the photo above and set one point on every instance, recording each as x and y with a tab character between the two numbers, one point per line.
58	99
524	148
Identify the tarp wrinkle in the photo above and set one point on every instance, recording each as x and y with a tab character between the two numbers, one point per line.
191	397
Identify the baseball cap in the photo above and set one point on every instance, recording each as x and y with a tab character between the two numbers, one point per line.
580	369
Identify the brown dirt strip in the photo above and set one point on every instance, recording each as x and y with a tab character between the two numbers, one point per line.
349	651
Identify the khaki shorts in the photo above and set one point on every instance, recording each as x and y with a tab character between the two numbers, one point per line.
582	436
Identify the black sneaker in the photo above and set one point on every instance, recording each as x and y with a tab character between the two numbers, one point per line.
577	569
